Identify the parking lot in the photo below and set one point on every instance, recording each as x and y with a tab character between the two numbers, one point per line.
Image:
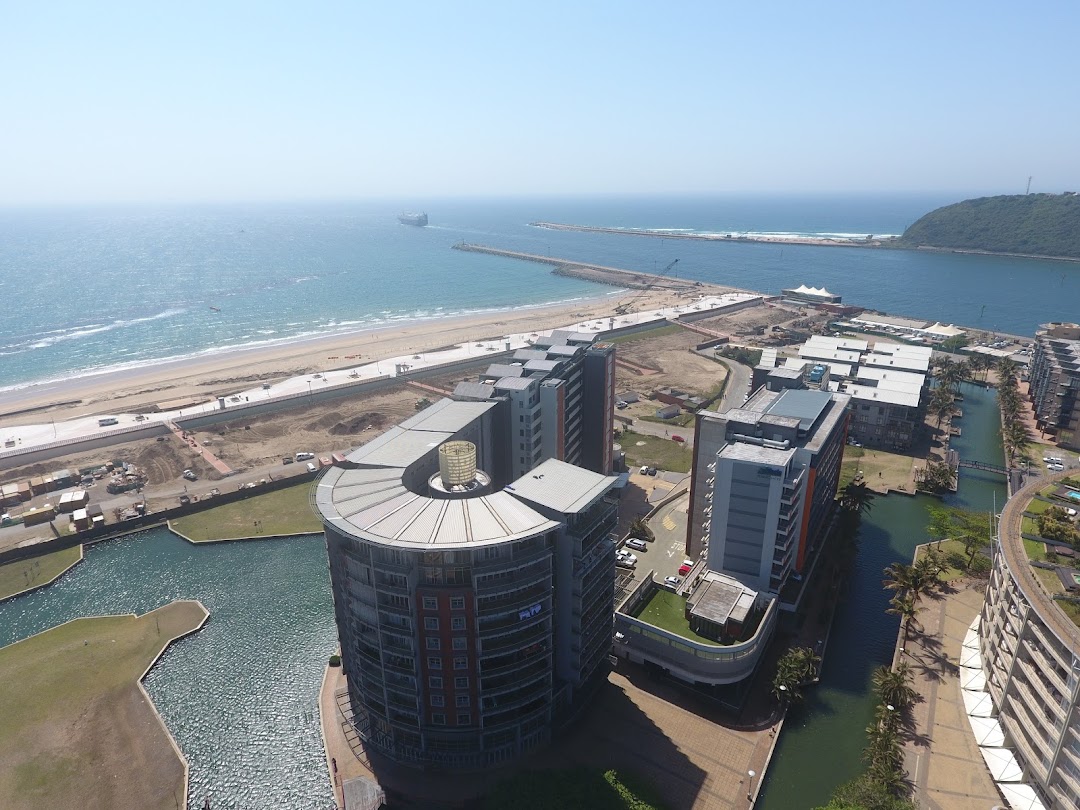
666	553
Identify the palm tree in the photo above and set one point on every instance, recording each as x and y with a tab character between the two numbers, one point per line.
941	404
1006	369
857	497
900	577
905	606
893	686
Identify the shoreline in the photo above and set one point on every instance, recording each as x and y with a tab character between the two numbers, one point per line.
228	370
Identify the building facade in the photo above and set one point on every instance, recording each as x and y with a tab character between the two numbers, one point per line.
1054	376
473	617
765	476
1030	658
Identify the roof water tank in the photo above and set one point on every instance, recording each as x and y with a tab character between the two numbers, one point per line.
457	463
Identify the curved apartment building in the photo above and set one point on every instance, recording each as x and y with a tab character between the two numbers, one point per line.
1030	656
472	618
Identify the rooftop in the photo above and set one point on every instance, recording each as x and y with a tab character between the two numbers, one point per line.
744	451
719	598
802	404
561	486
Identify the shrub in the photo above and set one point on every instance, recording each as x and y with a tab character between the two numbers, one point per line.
335	660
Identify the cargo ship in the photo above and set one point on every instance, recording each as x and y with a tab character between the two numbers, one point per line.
419	220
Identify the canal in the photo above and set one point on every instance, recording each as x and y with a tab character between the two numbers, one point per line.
821	745
241	695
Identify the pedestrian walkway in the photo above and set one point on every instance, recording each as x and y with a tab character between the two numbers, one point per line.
942	758
191	442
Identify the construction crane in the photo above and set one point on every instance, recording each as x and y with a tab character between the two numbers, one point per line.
624	307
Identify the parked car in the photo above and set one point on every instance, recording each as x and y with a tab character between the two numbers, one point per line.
305	456
622	562
286	460
644	469
620	405
637	543
688	562
684	570
189	475
312	468
626	555
672	581
652	471
678	438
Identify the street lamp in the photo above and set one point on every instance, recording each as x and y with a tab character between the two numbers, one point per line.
750	786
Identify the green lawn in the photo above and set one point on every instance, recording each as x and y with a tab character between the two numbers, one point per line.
18	576
285	511
656	451
682	420
1038	507
949	547
1029	526
75	731
1049	579
667	610
1034	550
647	334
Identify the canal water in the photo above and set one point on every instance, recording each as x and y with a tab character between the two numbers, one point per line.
241	695
822	741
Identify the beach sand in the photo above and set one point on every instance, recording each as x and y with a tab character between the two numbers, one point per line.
219	374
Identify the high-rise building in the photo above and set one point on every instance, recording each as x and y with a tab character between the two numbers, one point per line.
1054	377
561	396
765	476
473	614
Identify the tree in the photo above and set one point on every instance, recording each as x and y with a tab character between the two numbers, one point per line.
639	528
893	686
1006	369
857	498
937	476
941	405
796	668
906	607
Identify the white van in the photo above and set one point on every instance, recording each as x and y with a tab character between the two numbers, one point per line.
305	456
311	467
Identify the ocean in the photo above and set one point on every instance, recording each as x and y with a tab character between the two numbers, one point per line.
89	289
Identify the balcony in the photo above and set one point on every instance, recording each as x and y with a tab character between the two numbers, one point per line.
528	636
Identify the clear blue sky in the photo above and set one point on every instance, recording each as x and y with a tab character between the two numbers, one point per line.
264	100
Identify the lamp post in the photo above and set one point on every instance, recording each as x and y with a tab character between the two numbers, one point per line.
750	786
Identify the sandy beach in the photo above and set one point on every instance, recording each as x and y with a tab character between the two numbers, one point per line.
222	373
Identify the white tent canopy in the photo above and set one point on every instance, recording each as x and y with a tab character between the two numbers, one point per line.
1021	796
977	704
1002	764
988	731
972	678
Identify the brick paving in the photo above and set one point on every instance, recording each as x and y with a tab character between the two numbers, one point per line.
941	757
692	756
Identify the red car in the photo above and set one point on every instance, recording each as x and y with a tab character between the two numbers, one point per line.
684	570
679	439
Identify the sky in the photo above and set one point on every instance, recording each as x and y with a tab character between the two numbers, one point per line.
220	101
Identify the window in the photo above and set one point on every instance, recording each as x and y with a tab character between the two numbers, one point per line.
457	602
433	643
461	682
438	701
435	681
431	603
457	623
464	718
461	662
434	662
461	643
431	623
462	701
438	719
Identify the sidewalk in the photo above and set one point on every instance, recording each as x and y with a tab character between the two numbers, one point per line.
942	759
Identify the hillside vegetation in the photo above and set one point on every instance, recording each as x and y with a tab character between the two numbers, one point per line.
1032	224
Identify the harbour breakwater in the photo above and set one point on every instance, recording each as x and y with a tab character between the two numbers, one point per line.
768	238
596	273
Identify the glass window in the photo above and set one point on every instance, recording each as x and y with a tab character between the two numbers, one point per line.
457	602
461	682
457	623
438	701
462	701
464	718
435	681
461	662
431	623
461	644
438	719
433	643
431	603
434	662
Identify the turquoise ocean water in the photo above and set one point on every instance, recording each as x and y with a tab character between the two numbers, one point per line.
86	289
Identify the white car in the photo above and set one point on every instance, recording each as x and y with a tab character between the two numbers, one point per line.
672	581
688	562
622	562
637	544
626	555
